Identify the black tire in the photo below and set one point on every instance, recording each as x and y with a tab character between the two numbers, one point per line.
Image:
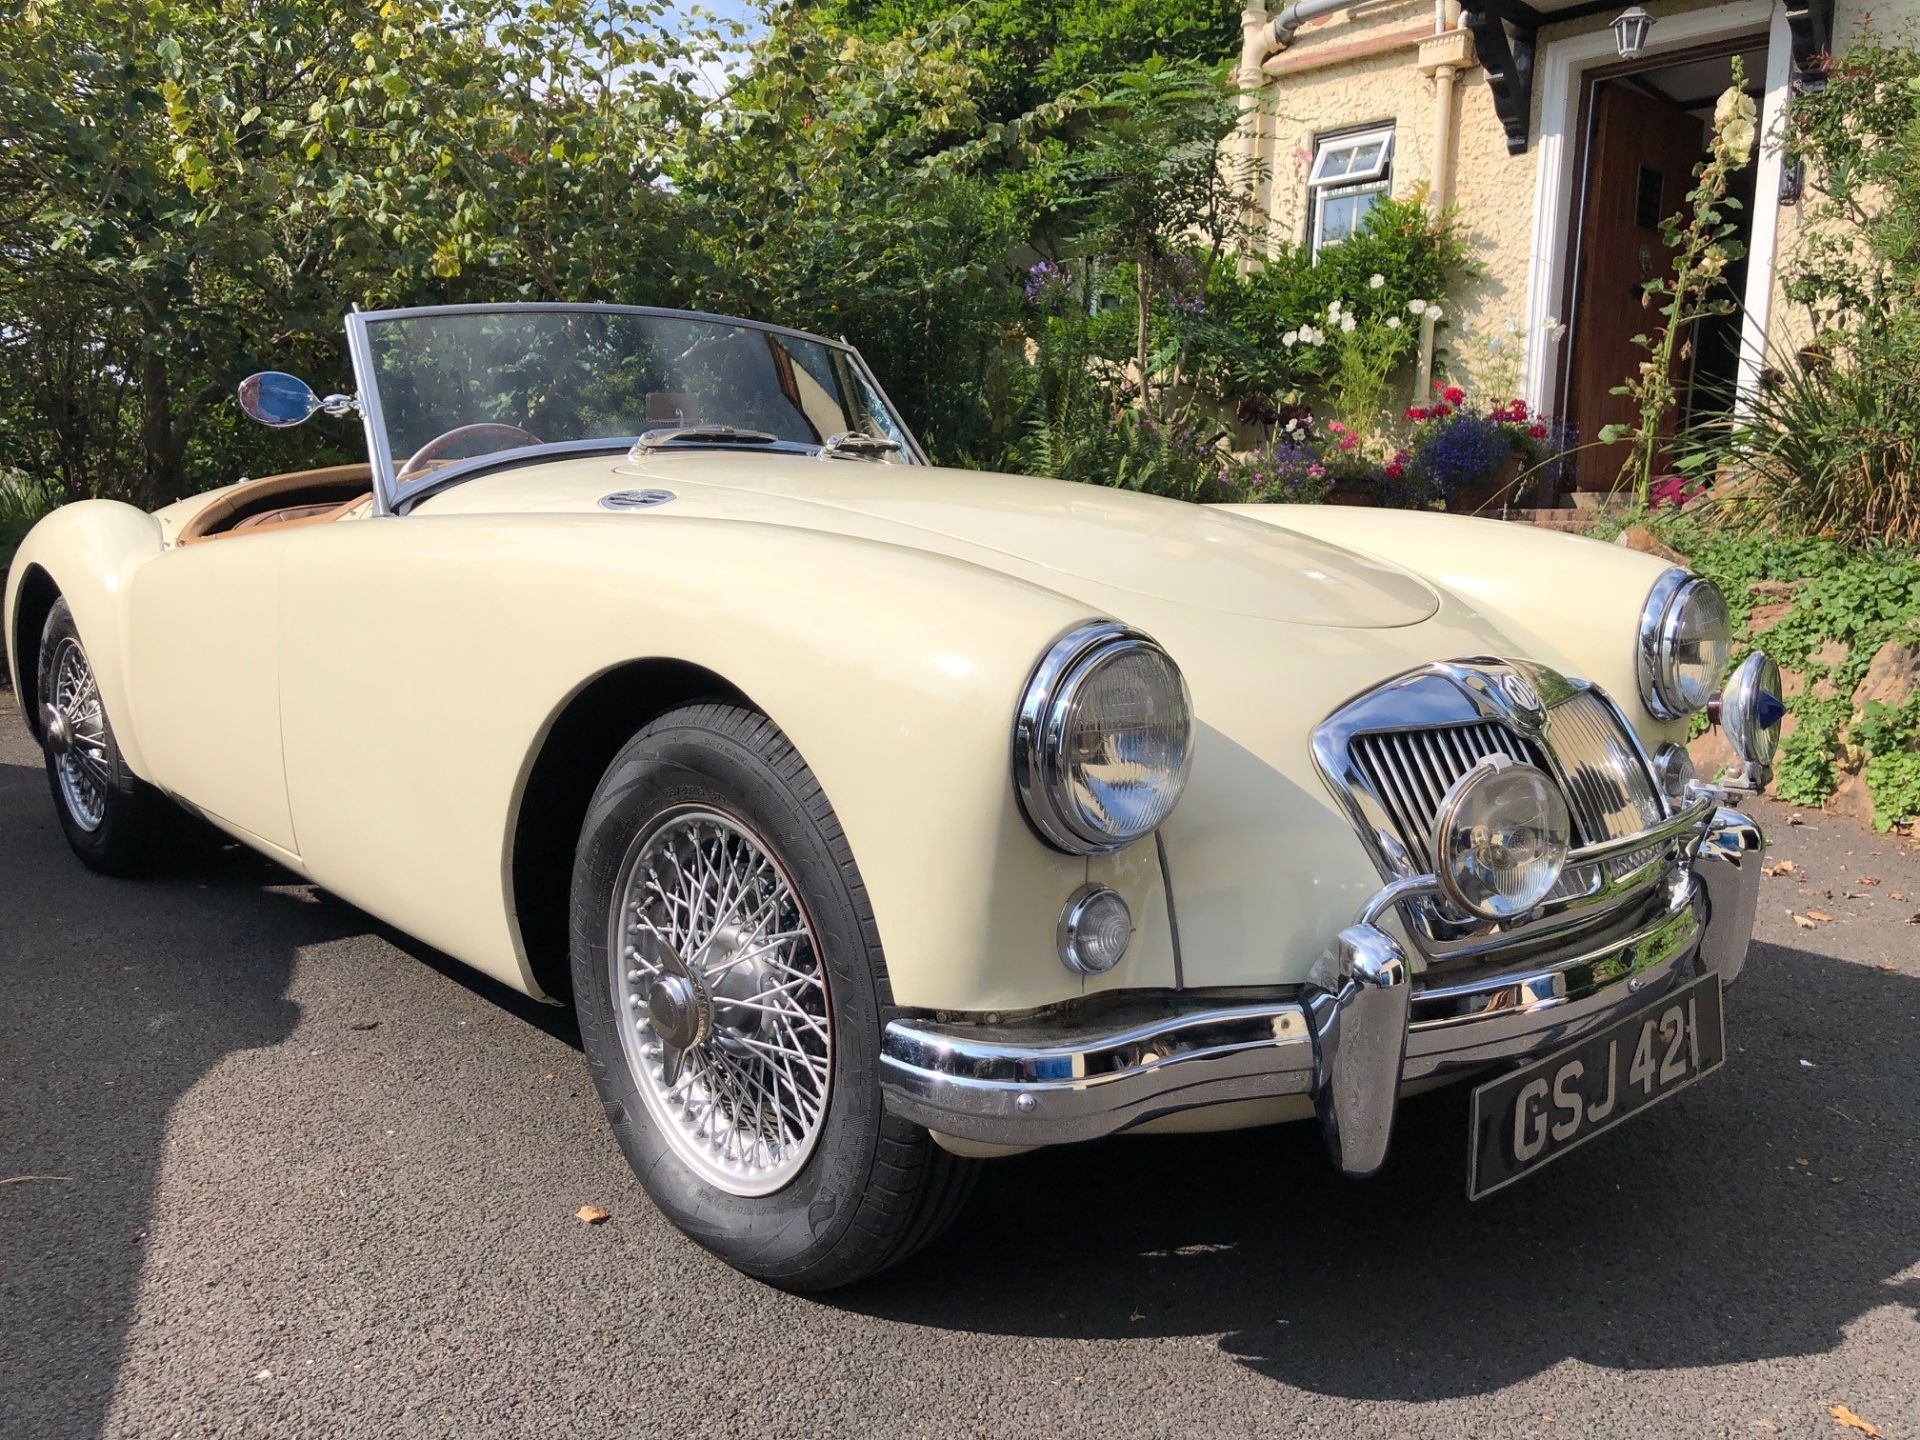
874	1189
133	822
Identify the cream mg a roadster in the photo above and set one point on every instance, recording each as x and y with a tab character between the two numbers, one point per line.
878	818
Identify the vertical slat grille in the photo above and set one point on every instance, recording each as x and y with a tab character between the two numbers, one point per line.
1609	792
1411	770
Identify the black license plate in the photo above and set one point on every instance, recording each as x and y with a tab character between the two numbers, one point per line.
1537	1114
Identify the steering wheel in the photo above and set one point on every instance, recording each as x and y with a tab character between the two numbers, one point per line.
424	457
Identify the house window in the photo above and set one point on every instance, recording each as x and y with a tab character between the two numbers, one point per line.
1350	171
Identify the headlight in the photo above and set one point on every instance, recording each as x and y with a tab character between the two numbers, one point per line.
1500	839
1683	644
1102	741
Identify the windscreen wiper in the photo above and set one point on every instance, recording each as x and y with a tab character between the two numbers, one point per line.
702	435
857	443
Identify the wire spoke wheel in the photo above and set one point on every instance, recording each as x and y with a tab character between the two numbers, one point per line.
721	1000
81	762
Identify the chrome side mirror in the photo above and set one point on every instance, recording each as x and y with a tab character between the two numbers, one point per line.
281	401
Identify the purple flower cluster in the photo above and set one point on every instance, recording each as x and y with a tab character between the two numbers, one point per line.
1047	283
1465	451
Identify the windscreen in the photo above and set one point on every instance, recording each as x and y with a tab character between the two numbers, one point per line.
456	385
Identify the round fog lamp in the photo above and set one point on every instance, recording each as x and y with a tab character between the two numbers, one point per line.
1095	926
1751	708
1500	839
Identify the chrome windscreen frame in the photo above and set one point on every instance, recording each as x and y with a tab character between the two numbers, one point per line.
389	499
1515	694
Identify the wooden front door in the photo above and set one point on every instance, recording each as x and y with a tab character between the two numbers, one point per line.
1639	172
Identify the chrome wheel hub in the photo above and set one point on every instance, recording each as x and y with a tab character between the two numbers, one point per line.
722	1001
59	729
75	727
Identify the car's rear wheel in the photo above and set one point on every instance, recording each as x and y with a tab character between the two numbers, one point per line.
730	986
114	821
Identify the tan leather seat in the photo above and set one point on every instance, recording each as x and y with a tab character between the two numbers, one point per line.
279	502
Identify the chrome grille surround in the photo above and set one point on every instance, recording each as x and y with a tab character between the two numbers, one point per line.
1391	753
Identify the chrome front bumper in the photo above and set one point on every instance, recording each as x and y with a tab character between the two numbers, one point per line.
1349	1039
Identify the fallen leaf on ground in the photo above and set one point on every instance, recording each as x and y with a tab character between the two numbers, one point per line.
1895	895
1795	820
1847	1420
1914	919
1890	969
1803	1162
1802	921
591	1215
1819	917
1782	867
363	1024
1869	879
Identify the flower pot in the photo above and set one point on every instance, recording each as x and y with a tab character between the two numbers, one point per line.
1496	490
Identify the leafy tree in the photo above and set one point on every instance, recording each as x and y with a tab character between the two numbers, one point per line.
194	187
1030	51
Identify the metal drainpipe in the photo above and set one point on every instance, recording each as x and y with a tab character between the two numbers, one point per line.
1301	11
1253	50
1446	15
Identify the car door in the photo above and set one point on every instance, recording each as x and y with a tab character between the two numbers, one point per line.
204	661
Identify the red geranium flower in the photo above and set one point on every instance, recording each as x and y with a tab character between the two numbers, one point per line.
1417	412
1538	432
1519	409
1440	412
1454	395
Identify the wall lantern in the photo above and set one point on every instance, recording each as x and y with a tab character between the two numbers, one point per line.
1630	32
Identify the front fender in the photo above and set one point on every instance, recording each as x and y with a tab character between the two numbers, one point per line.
89	551
424	659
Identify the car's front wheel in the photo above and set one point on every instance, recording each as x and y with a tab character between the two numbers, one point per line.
730	987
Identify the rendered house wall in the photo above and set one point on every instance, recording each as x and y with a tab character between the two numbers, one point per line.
1361	66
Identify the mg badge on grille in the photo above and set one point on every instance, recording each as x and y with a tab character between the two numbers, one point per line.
1519	690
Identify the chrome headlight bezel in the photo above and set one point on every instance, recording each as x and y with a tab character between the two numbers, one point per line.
1040	728
1664	695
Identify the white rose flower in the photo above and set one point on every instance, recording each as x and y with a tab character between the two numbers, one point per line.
1374	282
1290	339
1434	312
1333	311
1393	322
1418	307
1347	323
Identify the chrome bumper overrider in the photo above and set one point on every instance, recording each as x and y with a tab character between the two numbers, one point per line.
1349	1039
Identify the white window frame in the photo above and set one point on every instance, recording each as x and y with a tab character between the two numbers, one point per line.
1375	179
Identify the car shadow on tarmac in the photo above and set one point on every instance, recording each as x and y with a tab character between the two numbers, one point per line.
1754	1216
116	1005
121	996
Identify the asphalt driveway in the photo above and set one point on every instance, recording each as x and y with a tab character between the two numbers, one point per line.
267	1168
